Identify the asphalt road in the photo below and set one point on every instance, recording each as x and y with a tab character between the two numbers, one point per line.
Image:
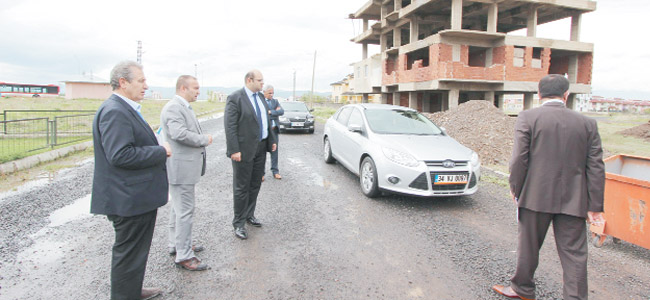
321	239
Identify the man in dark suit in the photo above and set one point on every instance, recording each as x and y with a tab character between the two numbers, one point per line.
275	111
130	179
248	138
182	131
557	176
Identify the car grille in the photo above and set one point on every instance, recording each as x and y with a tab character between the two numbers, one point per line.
297	119
447	187
438	163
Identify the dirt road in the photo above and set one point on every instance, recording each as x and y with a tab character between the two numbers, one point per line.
321	239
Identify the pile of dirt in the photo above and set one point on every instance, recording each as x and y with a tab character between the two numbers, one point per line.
642	131
480	126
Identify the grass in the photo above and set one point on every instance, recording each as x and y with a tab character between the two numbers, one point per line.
323	113
12	149
610	124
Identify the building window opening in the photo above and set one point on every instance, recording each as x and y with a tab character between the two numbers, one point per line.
421	55
518	57
477	56
405	3
537	58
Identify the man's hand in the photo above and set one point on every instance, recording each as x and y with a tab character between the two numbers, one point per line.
269	111
210	139
277	108
514	199
595	218
236	156
274	147
168	149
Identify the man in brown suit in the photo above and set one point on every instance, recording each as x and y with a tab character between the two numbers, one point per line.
556	175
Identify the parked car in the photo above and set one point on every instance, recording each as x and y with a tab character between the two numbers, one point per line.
396	149
296	117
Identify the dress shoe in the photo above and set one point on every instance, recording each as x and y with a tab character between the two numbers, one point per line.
192	264
254	222
240	232
277	176
150	293
508	292
172	250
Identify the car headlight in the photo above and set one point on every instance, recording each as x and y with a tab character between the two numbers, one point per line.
474	160
283	119
310	118
400	157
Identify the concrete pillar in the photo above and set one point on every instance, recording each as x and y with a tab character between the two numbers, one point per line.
397	37
426	103
528	100
452	100
455	52
532	21
413	100
489	96
493	16
575	27
364	51
365	24
398	5
382	41
383	99
499	102
415	29
573	69
456	14
571	101
364	98
396	98
489	56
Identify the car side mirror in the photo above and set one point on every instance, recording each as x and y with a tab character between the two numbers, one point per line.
311	109
354	128
444	131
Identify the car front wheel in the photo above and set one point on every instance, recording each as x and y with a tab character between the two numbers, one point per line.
368	178
327	151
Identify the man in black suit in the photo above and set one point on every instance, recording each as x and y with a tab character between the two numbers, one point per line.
248	138
130	179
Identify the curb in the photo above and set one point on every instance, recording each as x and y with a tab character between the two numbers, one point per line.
31	161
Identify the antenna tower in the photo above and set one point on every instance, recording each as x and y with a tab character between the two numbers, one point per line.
140	52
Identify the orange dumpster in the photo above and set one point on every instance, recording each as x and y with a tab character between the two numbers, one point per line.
627	196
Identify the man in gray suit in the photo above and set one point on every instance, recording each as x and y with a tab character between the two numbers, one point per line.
130	179
275	111
248	138
557	176
182	131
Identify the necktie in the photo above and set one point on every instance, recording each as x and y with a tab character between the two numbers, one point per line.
140	114
259	115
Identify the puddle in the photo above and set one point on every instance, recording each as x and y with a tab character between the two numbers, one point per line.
78	210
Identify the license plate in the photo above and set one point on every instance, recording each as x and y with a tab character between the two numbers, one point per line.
297	124
450	179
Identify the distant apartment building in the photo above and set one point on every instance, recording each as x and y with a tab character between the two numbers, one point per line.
602	104
343	92
436	54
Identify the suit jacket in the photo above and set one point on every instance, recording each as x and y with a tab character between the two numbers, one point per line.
275	112
242	130
130	175
182	131
556	165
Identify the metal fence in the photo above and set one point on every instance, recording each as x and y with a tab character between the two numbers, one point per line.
36	130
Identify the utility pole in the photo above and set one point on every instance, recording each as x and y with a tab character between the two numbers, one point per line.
313	74
294	85
139	57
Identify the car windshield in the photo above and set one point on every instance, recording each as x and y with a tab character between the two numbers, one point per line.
294	106
399	121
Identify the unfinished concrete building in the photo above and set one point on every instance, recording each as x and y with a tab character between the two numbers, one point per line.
436	54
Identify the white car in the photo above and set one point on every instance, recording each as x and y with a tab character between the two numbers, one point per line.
396	149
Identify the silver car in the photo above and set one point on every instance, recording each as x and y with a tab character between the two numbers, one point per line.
396	149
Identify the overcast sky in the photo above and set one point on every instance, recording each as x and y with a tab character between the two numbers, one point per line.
45	41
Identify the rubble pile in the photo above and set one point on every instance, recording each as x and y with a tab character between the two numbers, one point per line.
480	126
641	131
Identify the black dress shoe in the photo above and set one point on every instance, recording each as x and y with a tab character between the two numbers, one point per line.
254	222
240	232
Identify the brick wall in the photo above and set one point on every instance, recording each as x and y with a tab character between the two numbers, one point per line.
585	65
